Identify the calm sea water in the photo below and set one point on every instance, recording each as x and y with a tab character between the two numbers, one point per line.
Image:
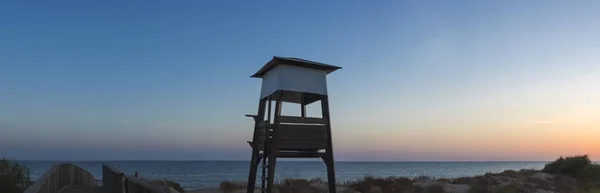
207	174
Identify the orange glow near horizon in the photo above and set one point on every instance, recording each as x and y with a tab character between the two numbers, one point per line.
534	140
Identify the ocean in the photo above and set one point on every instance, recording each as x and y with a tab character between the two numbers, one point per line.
208	174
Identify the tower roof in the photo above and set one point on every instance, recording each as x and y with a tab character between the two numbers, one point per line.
277	60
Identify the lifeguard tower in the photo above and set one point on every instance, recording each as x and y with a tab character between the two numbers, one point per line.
300	82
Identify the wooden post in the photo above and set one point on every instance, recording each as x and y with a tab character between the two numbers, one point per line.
266	144
274	144
255	151
302	106
329	151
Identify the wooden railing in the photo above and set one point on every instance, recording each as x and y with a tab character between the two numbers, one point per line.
112	180
135	185
116	181
60	176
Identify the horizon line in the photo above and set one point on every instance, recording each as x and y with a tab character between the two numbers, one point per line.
208	160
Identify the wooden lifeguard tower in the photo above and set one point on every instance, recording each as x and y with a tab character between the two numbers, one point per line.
295	81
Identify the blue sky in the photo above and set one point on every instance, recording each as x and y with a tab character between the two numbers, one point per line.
421	80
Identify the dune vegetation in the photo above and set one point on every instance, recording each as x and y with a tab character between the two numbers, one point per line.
575	174
14	178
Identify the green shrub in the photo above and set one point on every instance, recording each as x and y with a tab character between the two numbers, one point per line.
570	166
590	176
593	191
579	167
14	178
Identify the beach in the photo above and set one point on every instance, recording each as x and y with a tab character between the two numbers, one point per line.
507	181
195	175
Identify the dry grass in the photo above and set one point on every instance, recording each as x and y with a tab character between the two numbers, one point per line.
283	186
444	180
386	185
465	180
565	184
528	172
417	189
509	181
541	184
230	186
476	188
512	188
169	183
319	180
512	174
296	186
436	188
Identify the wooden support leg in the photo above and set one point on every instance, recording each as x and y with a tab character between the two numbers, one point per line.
253	170
329	150
255	152
302	106
330	173
273	148
258	159
271	174
266	147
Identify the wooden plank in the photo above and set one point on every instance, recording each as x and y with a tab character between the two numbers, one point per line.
259	142
301	120
303	128
303	135
260	145
136	185
60	176
300	154
112	179
260	132
262	124
81	189
301	144
311	98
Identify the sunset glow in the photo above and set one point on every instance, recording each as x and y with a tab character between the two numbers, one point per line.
461	81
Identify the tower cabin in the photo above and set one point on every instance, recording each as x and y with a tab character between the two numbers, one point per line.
296	81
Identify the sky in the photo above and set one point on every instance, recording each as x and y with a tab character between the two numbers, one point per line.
421	80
